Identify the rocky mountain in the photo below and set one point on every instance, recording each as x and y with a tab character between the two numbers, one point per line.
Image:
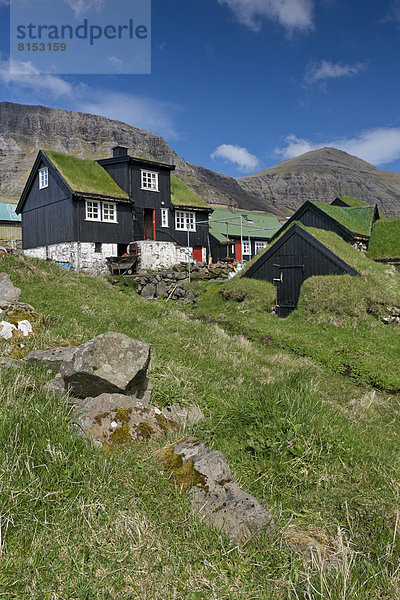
24	129
320	175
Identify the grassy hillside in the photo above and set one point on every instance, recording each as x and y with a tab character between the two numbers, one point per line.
81	523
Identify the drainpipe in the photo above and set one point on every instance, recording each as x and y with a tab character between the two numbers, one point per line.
241	240
188	247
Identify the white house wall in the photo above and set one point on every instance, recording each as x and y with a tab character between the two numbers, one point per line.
78	256
161	255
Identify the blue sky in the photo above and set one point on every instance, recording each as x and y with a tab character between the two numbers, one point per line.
238	85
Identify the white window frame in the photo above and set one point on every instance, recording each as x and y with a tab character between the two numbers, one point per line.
260	245
89	210
185	221
43	178
164	217
149	180
246	248
106	208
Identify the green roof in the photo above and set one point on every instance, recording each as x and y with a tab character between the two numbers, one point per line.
7	212
356	259
85	176
353	202
385	239
182	195
224	224
358	220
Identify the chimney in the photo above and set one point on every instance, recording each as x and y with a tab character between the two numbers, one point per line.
119	151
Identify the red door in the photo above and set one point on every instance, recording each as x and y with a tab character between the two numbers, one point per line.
198	253
238	251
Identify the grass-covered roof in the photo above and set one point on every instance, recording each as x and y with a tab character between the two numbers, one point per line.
385	239
222	230
85	176
182	195
353	202
358	220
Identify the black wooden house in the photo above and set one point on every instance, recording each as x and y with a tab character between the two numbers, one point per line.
352	223
290	260
165	209
79	212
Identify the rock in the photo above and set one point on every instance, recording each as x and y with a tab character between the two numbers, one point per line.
53	358
8	291
186	416
115	419
19	311
56	386
161	290
25	327
11	363
148	291
7	330
217	499
110	363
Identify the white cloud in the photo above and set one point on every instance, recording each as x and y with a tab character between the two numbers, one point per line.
291	14
377	146
236	155
325	69
26	84
82	7
24	75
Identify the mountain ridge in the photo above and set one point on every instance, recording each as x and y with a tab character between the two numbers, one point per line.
317	175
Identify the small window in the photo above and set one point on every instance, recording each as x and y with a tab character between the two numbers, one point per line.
109	212
260	246
93	211
43	178
97	246
185	221
150	181
246	248
164	217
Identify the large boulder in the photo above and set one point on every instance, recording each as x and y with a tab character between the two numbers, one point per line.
110	363
53	358
8	291
217	499
115	419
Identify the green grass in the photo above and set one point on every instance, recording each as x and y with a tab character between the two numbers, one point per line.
353	202
80	523
183	195
85	175
385	239
358	220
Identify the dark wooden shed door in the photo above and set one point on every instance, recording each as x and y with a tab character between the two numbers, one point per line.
289	277
149	224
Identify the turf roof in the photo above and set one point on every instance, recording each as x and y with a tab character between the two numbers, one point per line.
224	229
85	176
358	220
385	239
354	258
182	195
353	202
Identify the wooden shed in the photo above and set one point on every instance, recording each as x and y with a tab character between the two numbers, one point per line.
291	259
10	226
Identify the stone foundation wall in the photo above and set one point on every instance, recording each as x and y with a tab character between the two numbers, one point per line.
76	256
159	256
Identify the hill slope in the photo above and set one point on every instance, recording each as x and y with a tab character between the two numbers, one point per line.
321	175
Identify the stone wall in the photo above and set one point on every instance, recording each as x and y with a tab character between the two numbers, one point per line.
159	256
172	284
80	257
